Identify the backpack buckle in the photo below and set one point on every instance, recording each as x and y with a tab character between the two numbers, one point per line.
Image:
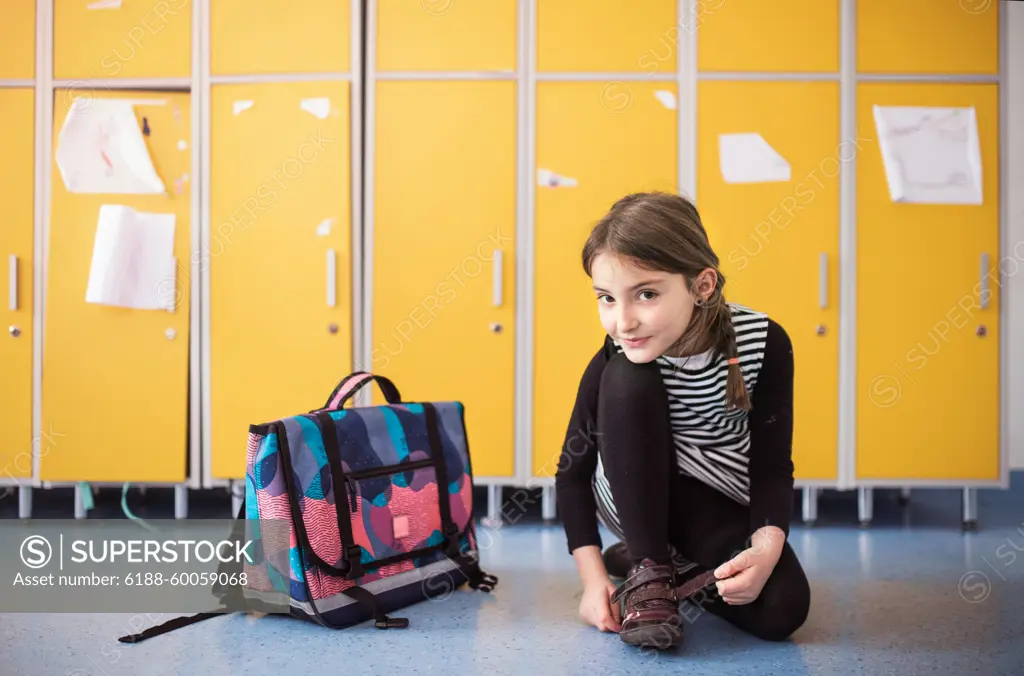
354	558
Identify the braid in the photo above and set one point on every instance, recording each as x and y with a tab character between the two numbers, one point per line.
736	396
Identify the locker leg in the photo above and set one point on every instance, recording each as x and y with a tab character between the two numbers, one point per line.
25	502
548	503
79	502
970	507
237	494
810	507
865	507
181	502
904	498
493	518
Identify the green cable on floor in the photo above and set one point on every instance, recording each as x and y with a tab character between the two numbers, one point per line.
128	513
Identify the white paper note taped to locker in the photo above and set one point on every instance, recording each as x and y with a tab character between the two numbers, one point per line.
324	229
133	264
549	179
667	98
104	4
320	107
239	106
931	155
749	158
101	149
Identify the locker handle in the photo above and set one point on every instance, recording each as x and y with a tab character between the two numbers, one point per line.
823	280
498	277
332	278
984	281
12	265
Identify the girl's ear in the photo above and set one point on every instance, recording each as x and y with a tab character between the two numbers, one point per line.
704	285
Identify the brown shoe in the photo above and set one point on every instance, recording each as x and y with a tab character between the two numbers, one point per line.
650	606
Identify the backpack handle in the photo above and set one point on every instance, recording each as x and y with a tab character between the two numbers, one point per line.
352	383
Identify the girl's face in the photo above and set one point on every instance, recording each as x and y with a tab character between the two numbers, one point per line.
645	311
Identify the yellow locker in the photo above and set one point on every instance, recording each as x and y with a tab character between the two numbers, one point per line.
437	35
116	380
610	146
135	39
753	35
927	349
18	40
17	264
925	36
778	241
312	36
279	256
609	36
443	301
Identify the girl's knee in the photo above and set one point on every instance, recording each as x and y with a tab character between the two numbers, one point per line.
625	380
785	610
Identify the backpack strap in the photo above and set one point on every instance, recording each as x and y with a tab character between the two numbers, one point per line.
186	620
353	382
449	529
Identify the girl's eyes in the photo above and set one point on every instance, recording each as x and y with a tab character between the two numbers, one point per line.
643	295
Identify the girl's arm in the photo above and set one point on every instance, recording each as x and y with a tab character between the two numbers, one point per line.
771	437
578	460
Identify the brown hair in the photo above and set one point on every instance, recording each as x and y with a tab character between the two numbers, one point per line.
662	231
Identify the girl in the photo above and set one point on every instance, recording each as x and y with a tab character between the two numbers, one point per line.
680	438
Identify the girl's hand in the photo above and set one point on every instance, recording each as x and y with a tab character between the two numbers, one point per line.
596	608
742	578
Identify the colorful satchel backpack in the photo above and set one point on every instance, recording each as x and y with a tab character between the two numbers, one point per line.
361	511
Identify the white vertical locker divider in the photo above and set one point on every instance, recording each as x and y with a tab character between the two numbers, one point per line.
356	201
369	164
526	122
199	188
202	58
43	104
847	249
1005	245
686	82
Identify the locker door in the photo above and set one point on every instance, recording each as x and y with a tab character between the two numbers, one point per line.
752	35
443	301
927	351
115	380
279	256
136	39
924	36
437	35
16	175
18	40
609	36
778	242
610	146
311	36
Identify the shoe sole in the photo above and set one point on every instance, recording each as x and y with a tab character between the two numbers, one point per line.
660	636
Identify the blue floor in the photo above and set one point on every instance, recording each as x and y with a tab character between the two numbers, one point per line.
912	594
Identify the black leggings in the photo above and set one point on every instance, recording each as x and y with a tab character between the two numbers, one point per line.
657	505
